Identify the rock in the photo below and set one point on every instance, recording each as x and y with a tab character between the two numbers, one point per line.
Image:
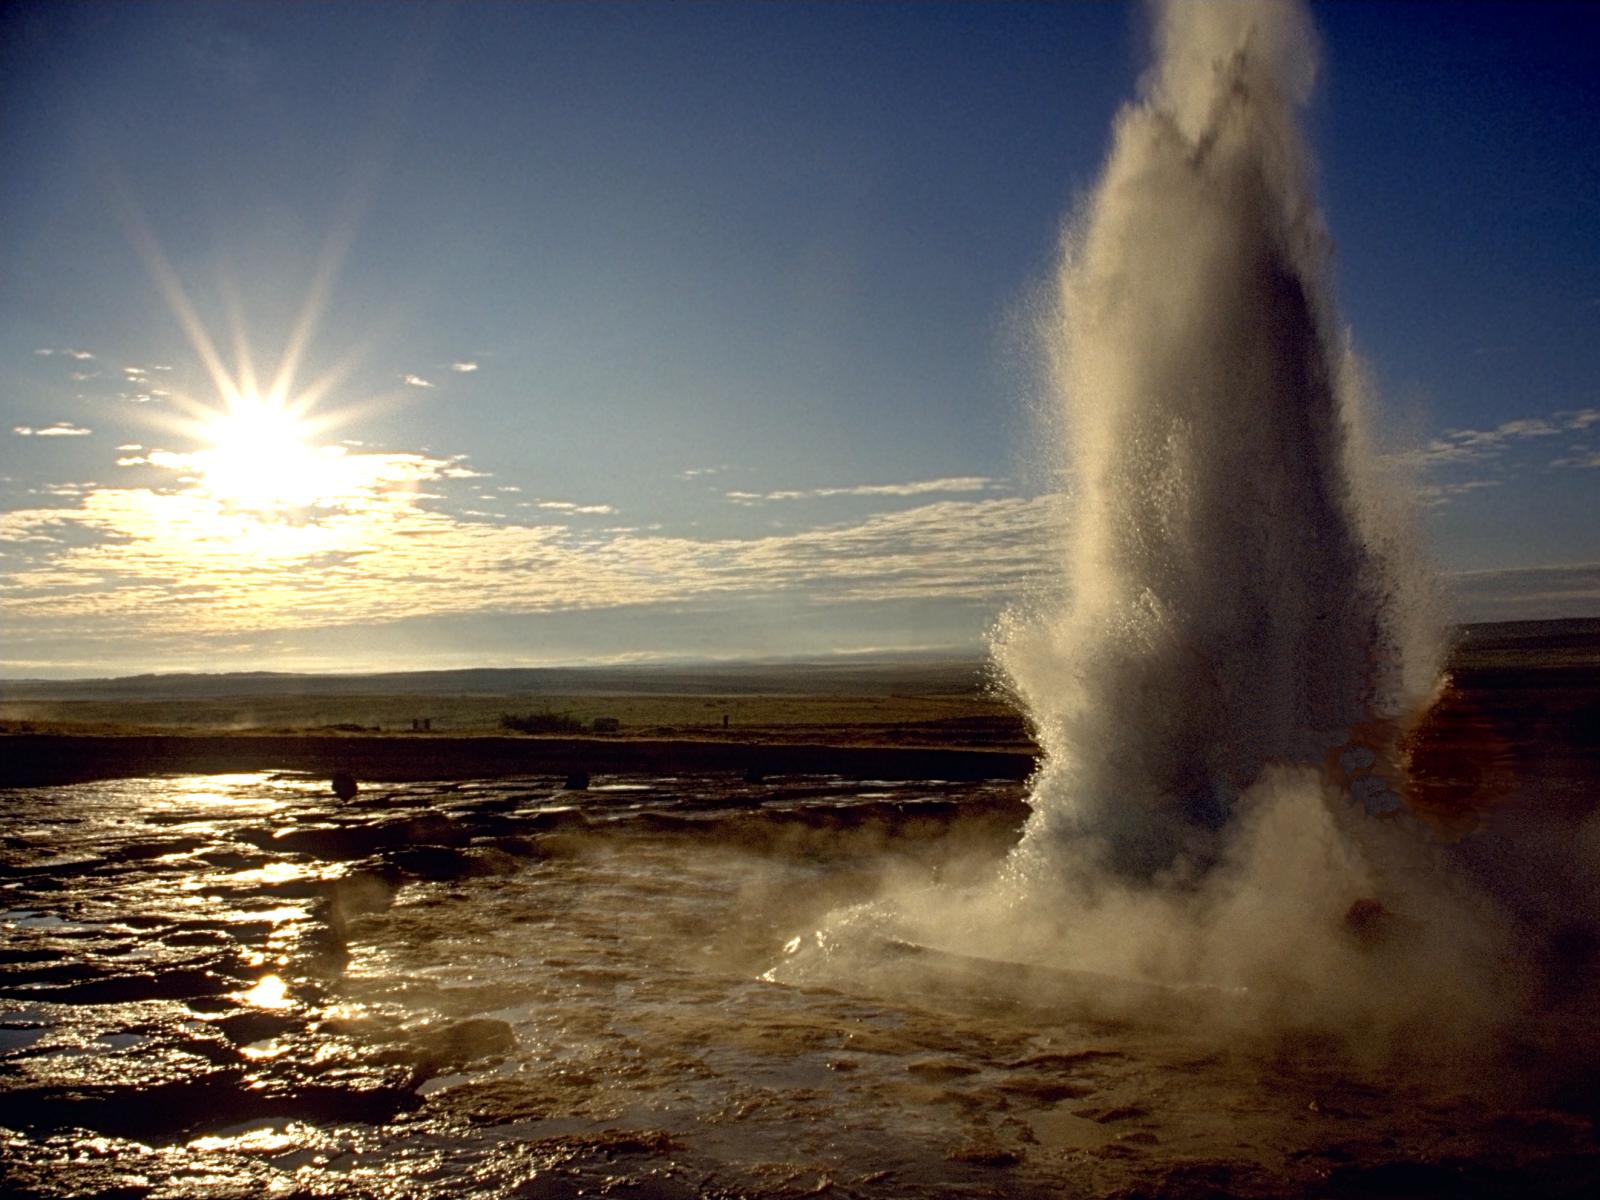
517	845
578	781
983	1154
358	840
463	1042
140	851
940	1069
145	1112
233	860
442	863
555	818
487	860
242	1028
610	1142
344	785
431	862
181	983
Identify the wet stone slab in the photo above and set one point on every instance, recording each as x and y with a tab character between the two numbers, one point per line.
173	972
239	986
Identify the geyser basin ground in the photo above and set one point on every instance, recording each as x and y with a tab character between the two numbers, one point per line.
235	985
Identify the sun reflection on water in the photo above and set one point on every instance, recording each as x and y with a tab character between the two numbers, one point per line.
270	991
267	1140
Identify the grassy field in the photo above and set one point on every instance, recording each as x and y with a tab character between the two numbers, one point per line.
731	716
883	703
1537	683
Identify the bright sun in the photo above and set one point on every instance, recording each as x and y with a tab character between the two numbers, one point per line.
259	458
261	462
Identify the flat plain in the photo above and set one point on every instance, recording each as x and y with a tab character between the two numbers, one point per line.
1517	696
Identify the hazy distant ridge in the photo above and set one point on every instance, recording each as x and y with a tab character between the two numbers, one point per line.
876	675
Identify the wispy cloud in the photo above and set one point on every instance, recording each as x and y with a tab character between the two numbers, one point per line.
465	367
172	561
47	352
177	562
1461	461
922	487
569	506
1582	458
59	429
1478	445
1432	495
416	381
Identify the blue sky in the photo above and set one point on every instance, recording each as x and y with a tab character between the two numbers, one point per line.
685	330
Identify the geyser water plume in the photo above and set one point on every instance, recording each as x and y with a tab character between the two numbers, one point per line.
1223	689
1237	596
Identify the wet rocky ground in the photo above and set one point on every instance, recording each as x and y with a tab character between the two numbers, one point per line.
240	985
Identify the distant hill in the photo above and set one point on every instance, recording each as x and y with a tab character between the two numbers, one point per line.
1574	642
844	676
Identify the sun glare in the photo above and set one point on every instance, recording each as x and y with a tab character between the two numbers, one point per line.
259	455
259	458
270	991
261	484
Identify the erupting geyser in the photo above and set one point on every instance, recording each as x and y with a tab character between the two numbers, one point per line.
1243	632
1236	593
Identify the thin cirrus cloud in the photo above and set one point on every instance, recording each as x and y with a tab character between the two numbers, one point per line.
920	487
1459	446
1460	462
1432	495
1582	458
464	367
416	381
58	429
51	352
570	506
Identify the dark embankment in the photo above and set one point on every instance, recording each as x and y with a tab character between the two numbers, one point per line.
32	760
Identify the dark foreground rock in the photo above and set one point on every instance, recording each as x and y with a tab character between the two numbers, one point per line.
33	760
